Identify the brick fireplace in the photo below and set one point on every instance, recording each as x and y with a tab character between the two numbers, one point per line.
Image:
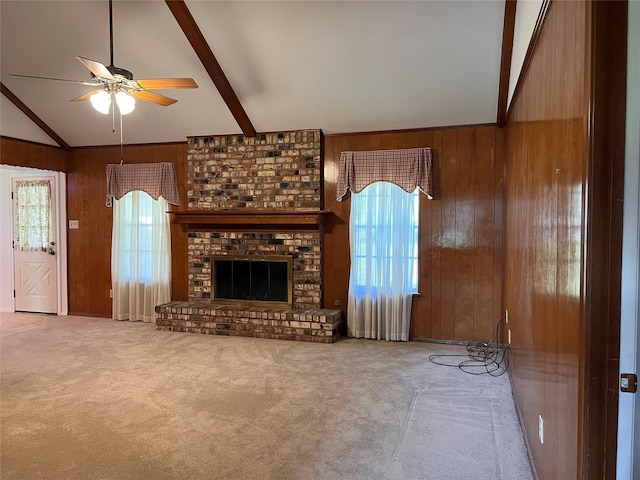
304	247
256	197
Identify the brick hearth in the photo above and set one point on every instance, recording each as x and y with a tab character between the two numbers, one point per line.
319	326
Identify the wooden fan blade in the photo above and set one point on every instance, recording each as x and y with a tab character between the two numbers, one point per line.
167	83
98	69
154	98
90	84
84	96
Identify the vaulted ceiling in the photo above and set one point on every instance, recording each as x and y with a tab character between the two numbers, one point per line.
335	65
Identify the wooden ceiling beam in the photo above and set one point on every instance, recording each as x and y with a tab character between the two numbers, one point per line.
506	108
201	47
34	118
505	62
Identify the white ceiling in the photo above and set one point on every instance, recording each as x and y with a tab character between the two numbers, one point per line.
335	65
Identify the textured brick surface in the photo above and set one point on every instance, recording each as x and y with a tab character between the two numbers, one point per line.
270	172
303	247
320	326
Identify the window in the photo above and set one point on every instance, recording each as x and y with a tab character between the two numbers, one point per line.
137	233
384	261
140	257
379	234
34	226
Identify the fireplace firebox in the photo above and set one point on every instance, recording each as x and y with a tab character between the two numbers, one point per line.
258	281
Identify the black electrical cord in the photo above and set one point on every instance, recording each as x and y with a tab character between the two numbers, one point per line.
492	358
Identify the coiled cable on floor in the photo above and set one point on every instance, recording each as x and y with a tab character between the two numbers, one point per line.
481	359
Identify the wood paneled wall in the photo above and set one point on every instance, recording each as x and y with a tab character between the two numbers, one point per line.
562	231
546	162
460	229
90	245
22	153
460	236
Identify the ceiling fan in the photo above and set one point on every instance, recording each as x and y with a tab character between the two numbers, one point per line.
119	84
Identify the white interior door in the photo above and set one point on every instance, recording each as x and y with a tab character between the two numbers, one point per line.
35	275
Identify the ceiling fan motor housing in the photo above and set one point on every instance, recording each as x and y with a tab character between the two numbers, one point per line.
120	71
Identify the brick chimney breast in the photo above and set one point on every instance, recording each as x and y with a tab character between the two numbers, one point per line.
269	172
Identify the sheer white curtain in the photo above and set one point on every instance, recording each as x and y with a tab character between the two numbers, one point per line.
34	229
383	236
140	256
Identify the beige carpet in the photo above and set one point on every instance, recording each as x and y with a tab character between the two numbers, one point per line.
88	398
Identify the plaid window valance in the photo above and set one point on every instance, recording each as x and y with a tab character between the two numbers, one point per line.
157	179
407	168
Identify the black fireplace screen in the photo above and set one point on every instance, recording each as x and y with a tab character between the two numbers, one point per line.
248	280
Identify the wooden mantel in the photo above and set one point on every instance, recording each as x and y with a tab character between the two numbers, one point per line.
254	219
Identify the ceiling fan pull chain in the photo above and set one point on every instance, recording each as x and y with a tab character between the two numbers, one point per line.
113	120
121	149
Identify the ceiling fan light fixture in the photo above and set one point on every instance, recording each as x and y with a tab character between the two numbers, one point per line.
101	101
126	103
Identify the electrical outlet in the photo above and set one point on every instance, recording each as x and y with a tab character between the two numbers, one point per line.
541	429
110	293
73	224
509	336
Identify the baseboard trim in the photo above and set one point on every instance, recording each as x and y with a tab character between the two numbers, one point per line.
464	343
